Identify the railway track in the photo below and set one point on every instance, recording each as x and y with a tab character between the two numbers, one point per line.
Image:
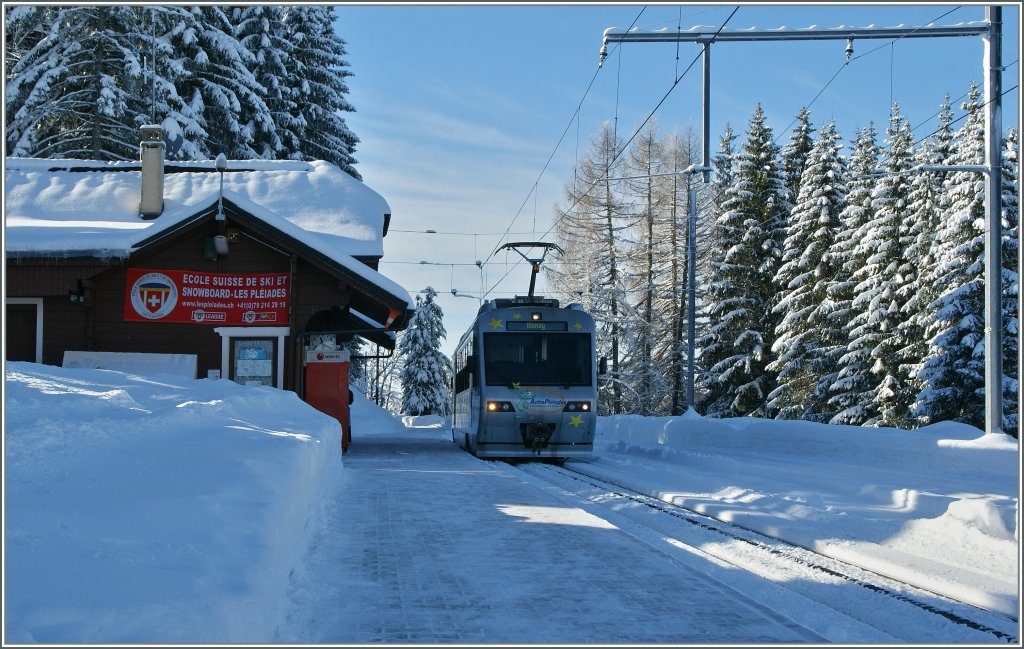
895	609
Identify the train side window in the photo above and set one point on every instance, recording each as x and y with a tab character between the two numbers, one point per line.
463	369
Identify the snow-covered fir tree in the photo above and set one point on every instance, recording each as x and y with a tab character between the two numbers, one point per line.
794	155
887	281
924	218
711	197
25	26
317	69
953	372
74	88
426	371
261	31
881	289
848	386
218	85
748	240
246	81
723	164
807	336
1011	283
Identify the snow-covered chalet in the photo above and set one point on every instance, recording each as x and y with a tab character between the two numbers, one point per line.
241	265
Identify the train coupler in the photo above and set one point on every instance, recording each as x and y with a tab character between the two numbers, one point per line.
536	435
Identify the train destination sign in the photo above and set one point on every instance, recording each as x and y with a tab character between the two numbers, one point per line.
186	296
535	325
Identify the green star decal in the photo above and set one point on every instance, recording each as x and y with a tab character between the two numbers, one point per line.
576	420
517	316
515	386
495	323
579	325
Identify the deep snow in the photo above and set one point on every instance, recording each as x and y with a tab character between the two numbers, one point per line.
163	509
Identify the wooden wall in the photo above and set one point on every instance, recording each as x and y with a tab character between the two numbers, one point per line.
99	324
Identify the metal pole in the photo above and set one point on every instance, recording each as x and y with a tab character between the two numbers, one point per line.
993	223
706	162
691	306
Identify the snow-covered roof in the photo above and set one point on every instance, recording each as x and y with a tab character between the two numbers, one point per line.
71	208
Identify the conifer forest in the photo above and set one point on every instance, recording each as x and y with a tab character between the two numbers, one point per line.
835	281
832	287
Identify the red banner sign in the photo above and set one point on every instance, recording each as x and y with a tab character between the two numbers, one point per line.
206	298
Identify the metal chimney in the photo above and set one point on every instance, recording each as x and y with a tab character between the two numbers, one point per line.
151	152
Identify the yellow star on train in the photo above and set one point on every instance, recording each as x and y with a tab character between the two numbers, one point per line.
576	420
579	325
495	323
517	316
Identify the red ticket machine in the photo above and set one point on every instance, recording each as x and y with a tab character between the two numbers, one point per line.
327	388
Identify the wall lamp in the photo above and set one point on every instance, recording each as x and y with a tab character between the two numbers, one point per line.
220	244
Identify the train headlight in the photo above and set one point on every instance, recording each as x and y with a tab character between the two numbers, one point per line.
499	406
577	406
536	315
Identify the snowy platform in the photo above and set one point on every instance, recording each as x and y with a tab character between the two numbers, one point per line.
423	543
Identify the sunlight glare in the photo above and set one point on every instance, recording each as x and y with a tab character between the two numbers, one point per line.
556	516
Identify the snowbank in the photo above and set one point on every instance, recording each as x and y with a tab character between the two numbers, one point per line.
936	507
157	508
161	509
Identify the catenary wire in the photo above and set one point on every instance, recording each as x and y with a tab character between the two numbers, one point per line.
954	102
579	106
626	145
597	181
856	58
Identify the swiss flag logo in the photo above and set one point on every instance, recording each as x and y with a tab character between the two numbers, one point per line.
154	296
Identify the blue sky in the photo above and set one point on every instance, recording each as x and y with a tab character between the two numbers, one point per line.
460	107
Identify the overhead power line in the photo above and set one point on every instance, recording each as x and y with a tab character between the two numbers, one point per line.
558	144
849	60
625	146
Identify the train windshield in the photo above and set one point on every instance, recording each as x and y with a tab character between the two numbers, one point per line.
537	358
